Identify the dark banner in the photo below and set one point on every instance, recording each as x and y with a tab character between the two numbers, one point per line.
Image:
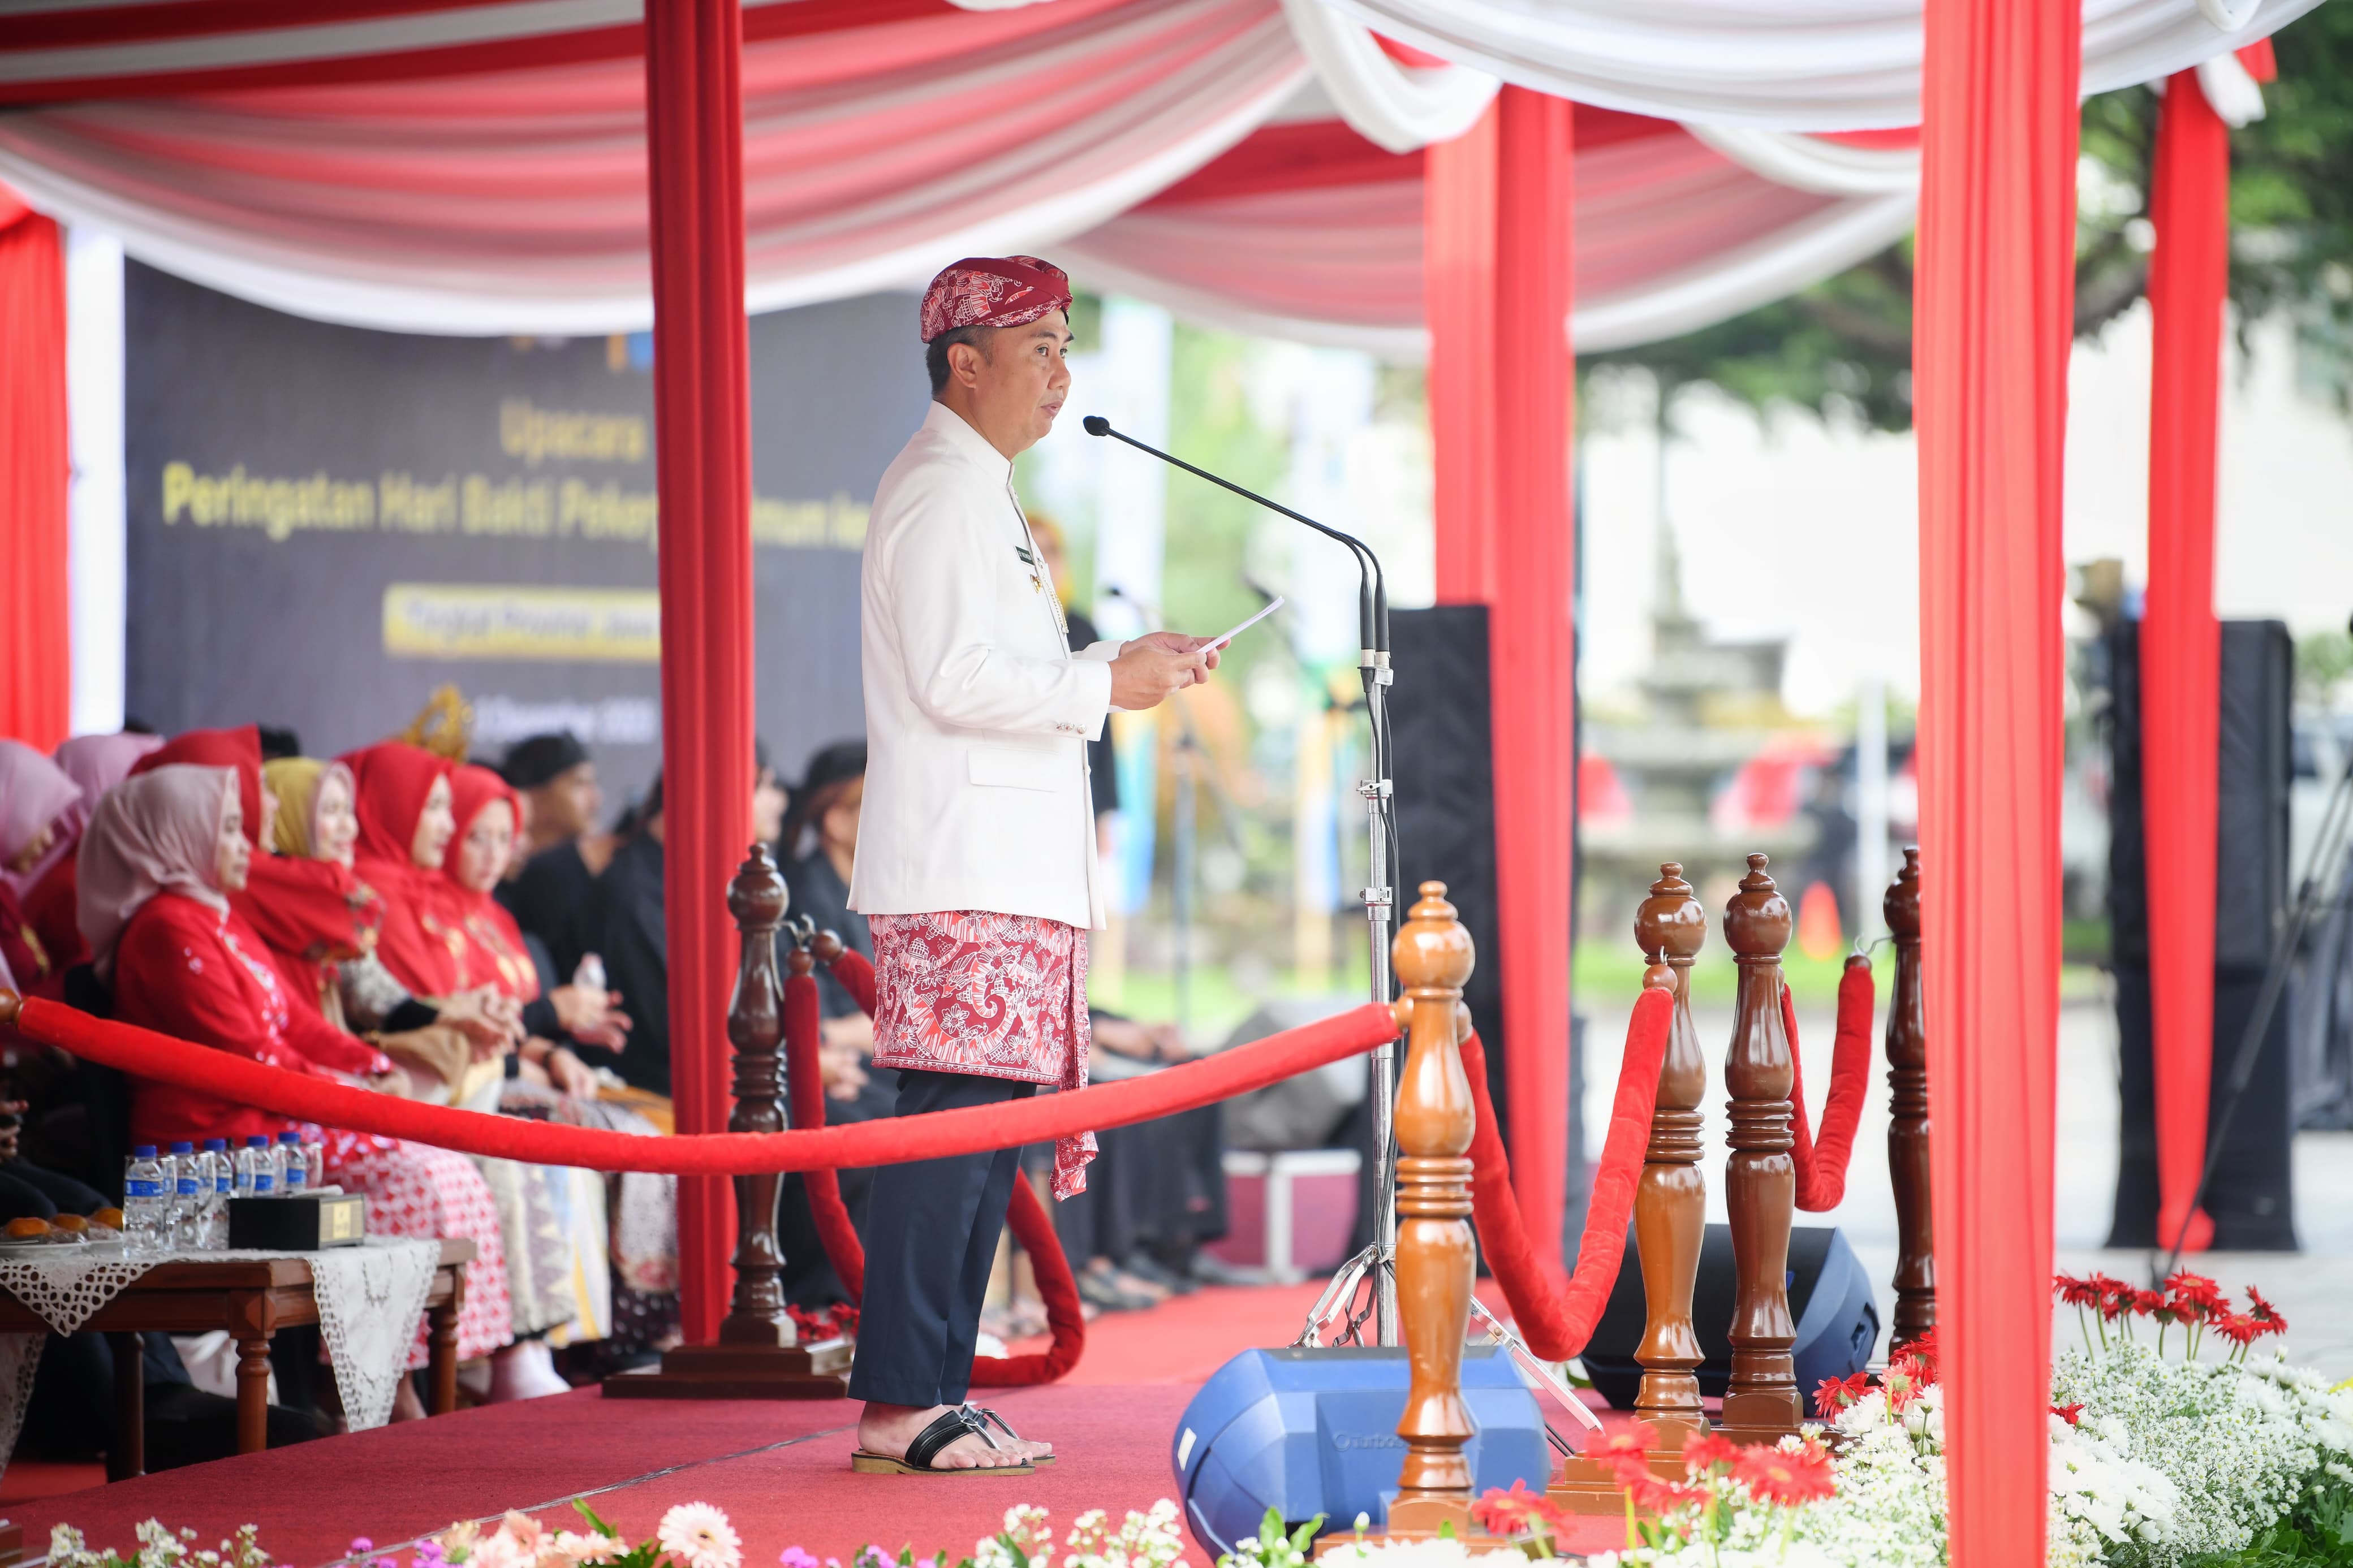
327	525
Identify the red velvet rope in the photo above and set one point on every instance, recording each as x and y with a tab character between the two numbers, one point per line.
1033	1227
1821	1168
1556	1316
304	1098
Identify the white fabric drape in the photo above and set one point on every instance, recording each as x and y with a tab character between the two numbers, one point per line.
1390	105
1816	163
1801	65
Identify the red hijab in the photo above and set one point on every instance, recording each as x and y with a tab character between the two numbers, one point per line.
496	953
419	942
239	749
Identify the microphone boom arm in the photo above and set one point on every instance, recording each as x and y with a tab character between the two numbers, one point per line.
1373	594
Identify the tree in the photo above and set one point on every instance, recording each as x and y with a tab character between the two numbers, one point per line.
1845	345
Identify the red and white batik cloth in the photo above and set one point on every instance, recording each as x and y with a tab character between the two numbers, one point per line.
995	996
416	1189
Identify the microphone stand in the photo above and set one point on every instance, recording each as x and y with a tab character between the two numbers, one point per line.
1377	1262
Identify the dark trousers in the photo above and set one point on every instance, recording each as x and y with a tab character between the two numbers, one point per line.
931	1235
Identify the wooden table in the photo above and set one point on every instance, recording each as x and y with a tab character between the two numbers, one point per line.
252	1298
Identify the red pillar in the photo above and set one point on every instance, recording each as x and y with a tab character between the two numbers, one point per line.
1458	291
1532	654
694	121
35	476
2180	640
1992	323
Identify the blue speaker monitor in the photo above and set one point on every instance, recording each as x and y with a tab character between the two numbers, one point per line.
1314	1431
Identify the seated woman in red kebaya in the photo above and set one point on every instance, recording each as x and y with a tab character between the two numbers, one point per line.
162	853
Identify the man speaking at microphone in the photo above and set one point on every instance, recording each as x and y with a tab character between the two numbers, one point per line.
976	859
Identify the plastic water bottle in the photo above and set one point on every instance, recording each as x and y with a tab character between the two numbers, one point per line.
188	1194
257	1168
220	1172
314	1161
293	1166
146	1208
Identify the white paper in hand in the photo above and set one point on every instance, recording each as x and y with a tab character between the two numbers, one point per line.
1273	604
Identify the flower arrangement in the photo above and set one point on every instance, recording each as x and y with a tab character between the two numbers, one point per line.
158	1548
2155	1460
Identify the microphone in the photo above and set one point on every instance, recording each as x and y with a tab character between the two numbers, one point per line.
1372	587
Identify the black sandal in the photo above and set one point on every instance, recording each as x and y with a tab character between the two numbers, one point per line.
1005	1427
948	1428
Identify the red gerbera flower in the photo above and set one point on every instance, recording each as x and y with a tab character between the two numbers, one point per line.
2263	1312
1513	1512
1704	1450
2069	1414
2076	1292
2116	1297
1653	1495
1628	1453
2238	1328
1786	1476
1836	1393
2195	1289
2150	1304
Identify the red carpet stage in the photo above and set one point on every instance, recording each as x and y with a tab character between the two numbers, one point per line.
781	1471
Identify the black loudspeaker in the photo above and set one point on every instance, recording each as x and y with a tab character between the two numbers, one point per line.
2251	1198
1830	1299
1440	711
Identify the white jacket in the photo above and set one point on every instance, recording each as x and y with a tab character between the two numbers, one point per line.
978	714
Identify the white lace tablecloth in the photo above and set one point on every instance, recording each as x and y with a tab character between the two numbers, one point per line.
370	1299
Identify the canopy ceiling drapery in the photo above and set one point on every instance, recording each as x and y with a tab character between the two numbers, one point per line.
514	201
1308	231
1816	65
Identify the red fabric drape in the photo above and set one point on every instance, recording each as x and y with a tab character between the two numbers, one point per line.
694	123
1992	320
1458	286
1530	653
2180	640
35	473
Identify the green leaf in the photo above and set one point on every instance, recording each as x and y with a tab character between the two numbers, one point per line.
1445	1530
580	1507
1305	1533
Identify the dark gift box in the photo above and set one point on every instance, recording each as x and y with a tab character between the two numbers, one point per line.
303	1224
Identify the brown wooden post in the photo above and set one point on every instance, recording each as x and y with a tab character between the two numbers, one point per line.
1436	1259
1760	1180
1670	1203
1670	1213
1907	1125
757	1355
756	898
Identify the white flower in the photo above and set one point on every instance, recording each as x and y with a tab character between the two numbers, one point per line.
699	1536
566	1547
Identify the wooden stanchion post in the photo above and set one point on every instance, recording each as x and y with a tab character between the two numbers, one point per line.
1761	1179
758	1355
1670	1213
1907	1111
1436	1259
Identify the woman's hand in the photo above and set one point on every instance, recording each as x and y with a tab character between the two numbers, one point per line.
839	1069
856	1031
569	1074
392	1081
491	1029
591	1016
